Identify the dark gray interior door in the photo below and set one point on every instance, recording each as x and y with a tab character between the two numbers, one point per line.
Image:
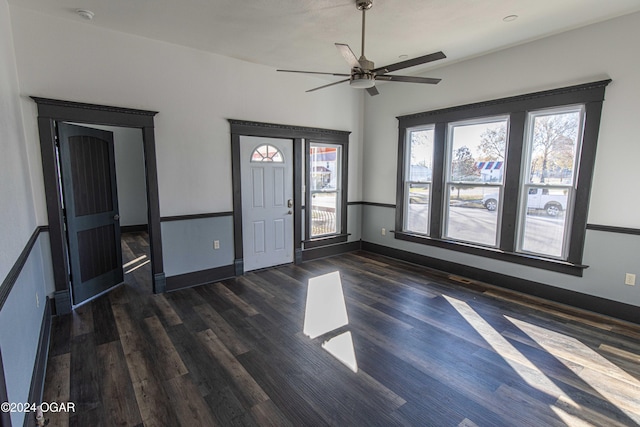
91	209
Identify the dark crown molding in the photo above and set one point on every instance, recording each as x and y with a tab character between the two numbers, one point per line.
290	128
517	98
106	108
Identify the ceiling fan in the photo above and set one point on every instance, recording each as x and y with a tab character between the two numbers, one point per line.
363	74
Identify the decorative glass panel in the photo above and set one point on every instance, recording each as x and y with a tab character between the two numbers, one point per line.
267	153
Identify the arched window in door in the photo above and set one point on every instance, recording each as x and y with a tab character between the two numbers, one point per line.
267	153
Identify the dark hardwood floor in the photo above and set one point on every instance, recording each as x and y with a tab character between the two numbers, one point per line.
429	350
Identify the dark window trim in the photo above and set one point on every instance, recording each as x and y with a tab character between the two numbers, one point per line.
493	253
614	229
341	235
591	95
271	130
195	216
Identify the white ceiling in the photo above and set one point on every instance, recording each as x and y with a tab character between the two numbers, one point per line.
300	34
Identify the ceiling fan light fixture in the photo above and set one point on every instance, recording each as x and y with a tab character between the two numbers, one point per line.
362	81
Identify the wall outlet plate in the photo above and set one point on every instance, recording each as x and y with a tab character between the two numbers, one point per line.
216	244
384	231
630	279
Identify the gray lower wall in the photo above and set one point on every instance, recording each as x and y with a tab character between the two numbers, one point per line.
187	245
21	319
608	255
354	222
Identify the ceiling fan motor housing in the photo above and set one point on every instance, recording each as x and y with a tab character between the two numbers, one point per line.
364	4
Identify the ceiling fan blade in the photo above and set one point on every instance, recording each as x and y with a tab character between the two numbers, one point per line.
348	55
408	79
315	72
330	84
373	91
410	63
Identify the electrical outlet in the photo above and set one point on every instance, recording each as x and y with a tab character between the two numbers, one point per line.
384	231
630	279
216	244
37	300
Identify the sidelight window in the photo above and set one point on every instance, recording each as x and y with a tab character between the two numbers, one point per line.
325	189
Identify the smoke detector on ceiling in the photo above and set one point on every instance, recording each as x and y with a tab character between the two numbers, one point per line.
85	14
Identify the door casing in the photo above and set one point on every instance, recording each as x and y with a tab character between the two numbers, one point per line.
269	130
51	111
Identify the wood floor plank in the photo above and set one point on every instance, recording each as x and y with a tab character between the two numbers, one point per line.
57	377
430	349
84	389
165	355
227	294
190	406
633	357
82	320
103	322
118	397
267	414
251	391
221	328
169	315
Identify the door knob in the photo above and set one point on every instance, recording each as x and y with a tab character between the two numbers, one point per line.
289	203
116	217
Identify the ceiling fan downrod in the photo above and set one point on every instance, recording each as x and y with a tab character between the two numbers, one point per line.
363	5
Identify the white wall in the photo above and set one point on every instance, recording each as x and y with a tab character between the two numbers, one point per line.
596	52
17	217
195	93
21	314
600	51
130	173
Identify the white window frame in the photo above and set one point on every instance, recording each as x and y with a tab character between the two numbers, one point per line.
407	179
525	185
448	182
338	189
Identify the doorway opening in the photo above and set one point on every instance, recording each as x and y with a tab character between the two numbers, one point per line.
54	112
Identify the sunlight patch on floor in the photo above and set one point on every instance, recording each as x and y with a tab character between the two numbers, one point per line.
341	347
527	370
134	261
137	267
595	370
325	309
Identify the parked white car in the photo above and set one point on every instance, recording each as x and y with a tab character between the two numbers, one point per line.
553	201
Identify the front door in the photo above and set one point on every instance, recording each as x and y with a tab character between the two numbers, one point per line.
267	201
87	163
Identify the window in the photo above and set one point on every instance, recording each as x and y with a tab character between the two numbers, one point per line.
474	178
508	179
418	180
553	141
267	153
326	200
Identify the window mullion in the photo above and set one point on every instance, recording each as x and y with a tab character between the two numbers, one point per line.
437	183
508	231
